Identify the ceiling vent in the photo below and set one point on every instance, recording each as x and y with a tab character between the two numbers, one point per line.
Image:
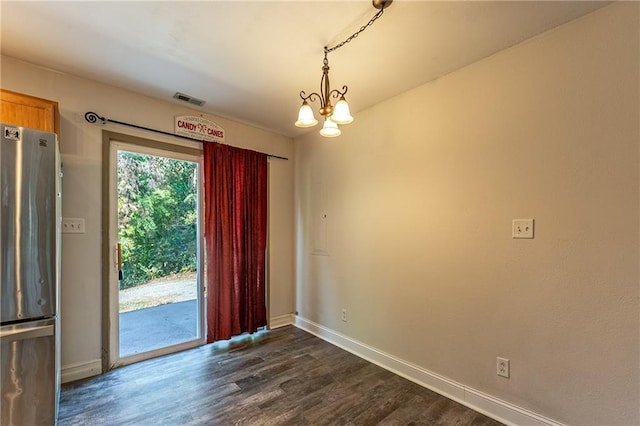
187	98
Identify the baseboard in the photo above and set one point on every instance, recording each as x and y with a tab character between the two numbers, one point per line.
281	321
495	408
82	370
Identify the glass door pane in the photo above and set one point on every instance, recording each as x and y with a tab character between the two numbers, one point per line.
157	249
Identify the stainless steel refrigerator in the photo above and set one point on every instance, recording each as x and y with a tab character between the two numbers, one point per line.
30	223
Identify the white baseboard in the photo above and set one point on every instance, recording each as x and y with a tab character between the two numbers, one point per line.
281	321
82	370
495	408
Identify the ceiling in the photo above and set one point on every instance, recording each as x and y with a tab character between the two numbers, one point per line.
250	59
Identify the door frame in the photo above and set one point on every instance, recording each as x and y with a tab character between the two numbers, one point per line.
110	323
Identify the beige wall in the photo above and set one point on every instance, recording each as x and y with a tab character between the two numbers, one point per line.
420	192
81	155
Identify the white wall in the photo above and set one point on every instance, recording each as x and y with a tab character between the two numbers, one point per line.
81	154
420	192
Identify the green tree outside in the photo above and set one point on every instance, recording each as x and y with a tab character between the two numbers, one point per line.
157	217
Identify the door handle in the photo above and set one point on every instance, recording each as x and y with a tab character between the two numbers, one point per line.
120	274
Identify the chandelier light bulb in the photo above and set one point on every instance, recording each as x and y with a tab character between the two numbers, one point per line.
341	114
330	129
305	116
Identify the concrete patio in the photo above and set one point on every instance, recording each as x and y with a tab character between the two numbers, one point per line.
147	329
158	314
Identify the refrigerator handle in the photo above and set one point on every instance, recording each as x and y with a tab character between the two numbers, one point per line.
26	333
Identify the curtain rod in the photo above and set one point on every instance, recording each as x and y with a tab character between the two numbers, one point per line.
93	117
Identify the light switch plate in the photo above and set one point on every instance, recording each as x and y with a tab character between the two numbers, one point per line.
522	228
73	225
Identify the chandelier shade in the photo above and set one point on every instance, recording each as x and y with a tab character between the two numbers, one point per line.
341	114
330	129
305	116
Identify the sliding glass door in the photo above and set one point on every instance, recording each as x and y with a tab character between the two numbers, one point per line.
156	297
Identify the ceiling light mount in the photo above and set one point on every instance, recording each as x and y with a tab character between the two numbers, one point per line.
338	114
381	4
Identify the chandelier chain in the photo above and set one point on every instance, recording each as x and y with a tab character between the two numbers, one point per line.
354	35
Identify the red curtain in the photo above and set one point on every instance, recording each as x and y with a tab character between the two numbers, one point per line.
235	185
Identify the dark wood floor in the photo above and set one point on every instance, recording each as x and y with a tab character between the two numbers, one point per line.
284	376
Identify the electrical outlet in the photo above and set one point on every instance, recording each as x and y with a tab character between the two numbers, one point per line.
504	367
522	228
344	315
73	226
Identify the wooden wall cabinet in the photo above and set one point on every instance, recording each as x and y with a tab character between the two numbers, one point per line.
29	111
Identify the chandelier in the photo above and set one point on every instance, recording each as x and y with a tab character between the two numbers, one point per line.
338	114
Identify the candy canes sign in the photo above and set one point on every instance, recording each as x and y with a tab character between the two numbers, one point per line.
198	128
